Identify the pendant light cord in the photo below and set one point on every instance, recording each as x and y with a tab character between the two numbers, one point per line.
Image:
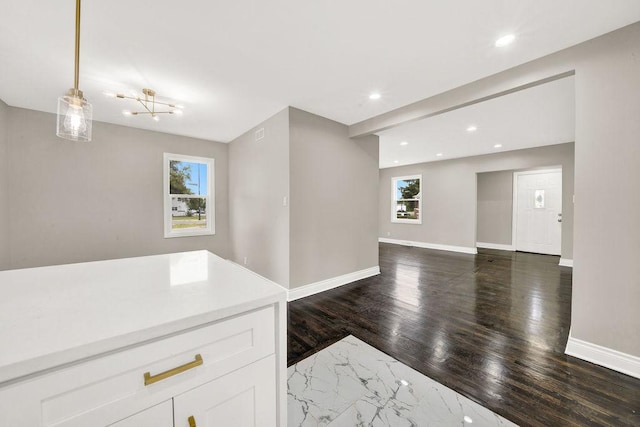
77	66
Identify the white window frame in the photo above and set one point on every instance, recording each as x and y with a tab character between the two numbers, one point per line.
394	201
210	197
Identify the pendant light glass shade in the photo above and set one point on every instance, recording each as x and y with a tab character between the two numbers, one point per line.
74	118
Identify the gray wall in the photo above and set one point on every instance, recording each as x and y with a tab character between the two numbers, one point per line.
5	258
333	199
606	290
74	202
258	183
449	196
495	207
606	287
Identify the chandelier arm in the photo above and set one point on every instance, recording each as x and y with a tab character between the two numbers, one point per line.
144	105
120	95
168	104
152	113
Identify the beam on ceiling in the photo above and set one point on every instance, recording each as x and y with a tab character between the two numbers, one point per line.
549	68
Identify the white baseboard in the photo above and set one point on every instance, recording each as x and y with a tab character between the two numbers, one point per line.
334	282
565	262
462	249
603	356
495	246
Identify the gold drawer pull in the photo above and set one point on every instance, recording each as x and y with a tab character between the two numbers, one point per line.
149	379
192	421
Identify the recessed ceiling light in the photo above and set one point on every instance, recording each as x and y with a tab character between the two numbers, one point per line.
467	419
395	161
497	146
374	96
439	155
404	143
126	112
472	128
404	382
505	40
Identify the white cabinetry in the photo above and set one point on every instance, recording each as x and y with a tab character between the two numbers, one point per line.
157	416
242	398
224	367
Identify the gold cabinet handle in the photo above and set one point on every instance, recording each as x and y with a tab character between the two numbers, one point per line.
192	421
150	379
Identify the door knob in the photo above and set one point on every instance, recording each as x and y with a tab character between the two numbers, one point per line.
192	421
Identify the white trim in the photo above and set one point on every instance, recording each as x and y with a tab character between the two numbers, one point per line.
462	249
514	199
495	246
566	262
334	282
603	356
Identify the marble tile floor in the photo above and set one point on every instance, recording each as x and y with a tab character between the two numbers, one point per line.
352	384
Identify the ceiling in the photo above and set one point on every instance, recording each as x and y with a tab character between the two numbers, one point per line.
235	63
542	115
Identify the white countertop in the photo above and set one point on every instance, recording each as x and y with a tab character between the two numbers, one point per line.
51	316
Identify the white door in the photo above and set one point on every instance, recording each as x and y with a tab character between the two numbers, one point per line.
538	211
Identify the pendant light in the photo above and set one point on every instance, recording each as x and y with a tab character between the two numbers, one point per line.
74	112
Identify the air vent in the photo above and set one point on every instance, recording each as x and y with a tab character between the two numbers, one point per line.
259	134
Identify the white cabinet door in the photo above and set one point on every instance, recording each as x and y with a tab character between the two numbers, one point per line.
157	416
243	398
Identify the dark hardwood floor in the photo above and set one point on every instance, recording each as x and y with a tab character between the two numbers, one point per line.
491	326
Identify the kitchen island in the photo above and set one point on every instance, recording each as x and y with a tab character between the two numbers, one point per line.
148	341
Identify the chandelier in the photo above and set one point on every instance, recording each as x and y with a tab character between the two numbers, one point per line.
150	105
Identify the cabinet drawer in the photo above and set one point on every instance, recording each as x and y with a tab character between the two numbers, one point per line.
109	388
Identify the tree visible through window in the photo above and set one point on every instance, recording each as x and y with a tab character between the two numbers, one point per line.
188	200
406	199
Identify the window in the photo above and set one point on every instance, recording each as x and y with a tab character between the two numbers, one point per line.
406	204
188	196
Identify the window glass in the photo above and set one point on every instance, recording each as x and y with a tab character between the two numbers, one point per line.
188	198
406	205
